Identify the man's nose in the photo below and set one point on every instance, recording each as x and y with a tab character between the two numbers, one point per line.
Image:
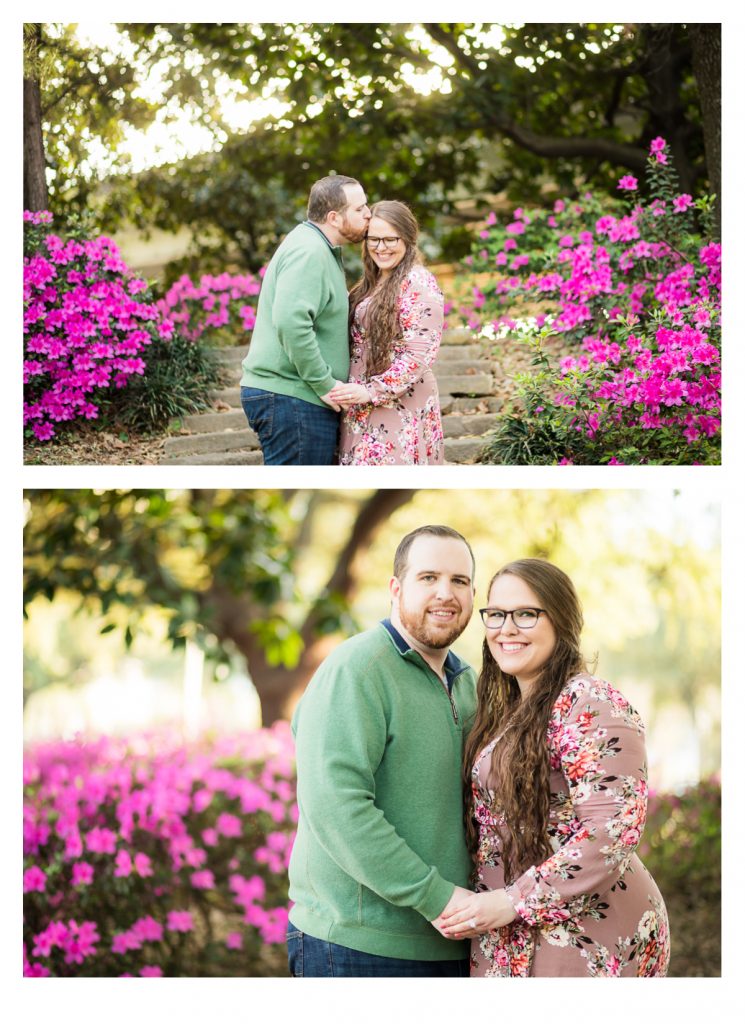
444	589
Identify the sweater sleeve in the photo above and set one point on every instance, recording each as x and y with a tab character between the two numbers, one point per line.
340	738
421	318
299	296
597	741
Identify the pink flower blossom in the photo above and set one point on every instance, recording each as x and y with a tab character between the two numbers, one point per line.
629	183
682	202
82	873
34	879
179	921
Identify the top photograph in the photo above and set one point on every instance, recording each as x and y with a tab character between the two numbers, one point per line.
372	244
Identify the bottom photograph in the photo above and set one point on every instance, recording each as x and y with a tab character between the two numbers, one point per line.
371	733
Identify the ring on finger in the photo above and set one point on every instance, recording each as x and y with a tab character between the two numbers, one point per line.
472	923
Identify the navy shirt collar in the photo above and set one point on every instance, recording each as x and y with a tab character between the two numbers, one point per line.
453	665
334	248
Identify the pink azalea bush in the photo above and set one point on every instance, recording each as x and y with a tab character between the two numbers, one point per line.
150	857
97	345
635	292
87	325
220	309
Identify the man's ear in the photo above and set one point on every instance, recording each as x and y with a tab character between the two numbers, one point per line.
394	587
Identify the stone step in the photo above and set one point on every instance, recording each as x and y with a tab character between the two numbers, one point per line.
209	422
230	357
228	396
461	367
473	406
238	457
467	426
466	384
457	336
462	450
225	440
451	352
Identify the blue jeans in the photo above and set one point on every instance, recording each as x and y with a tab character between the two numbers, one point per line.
314	958
291	432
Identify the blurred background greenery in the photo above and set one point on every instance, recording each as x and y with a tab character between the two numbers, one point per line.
213	608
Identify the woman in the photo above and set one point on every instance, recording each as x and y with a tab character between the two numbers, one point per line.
390	407
556	775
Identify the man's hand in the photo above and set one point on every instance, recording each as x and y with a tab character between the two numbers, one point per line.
329	400
459	899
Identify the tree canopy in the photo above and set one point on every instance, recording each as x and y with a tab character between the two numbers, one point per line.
429	113
279	577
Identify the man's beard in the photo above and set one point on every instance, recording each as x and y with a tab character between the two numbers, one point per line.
349	234
416	626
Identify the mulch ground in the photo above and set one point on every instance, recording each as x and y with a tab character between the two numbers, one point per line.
89	446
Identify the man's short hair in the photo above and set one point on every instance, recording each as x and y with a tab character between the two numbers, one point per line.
328	194
401	558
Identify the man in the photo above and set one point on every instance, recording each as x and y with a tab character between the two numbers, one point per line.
300	344
380	847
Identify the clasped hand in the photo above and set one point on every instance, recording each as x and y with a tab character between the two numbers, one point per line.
345	395
469	914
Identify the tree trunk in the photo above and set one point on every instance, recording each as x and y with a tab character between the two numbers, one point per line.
706	51
279	688
35	195
663	56
34	164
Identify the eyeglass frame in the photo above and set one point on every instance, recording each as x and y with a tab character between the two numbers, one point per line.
387	239
511	614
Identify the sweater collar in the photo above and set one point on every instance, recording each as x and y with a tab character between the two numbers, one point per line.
333	248
453	665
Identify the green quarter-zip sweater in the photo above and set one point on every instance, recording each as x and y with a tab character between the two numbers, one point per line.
380	842
300	342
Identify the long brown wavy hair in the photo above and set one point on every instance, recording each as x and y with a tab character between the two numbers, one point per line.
382	312
520	769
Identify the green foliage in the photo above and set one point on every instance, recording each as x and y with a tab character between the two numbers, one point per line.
682	848
526	104
177	380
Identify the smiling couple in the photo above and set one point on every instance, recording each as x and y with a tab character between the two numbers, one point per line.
335	378
388	875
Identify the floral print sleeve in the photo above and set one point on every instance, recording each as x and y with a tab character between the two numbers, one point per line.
420	317
596	742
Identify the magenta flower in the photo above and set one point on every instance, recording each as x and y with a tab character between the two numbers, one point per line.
229	825
682	202
34	879
147	929
101	840
629	183
82	873
123	864
143	865
234	940
203	880
179	921
151	972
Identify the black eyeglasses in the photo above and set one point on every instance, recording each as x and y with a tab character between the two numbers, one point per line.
522	618
389	242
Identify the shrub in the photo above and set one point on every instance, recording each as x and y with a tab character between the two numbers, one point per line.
147	856
220	309
682	848
635	293
91	330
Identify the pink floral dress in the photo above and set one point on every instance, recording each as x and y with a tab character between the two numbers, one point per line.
402	426
591	909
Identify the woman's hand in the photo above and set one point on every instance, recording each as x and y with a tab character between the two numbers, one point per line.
482	912
349	394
